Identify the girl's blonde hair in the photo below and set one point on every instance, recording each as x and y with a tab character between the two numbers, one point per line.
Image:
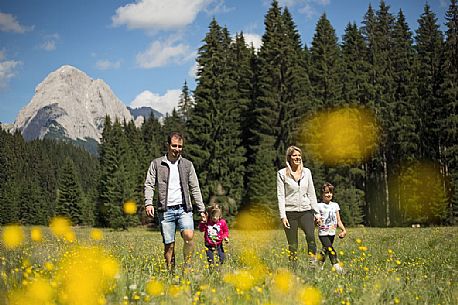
289	151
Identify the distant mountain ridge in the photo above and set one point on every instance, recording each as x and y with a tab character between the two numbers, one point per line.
144	112
70	105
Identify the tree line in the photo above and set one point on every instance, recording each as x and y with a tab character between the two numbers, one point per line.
249	105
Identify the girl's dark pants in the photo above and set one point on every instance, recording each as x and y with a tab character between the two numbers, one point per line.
327	242
210	253
304	220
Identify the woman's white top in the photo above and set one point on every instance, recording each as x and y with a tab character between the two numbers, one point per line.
296	196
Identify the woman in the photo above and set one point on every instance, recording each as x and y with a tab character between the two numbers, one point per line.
297	202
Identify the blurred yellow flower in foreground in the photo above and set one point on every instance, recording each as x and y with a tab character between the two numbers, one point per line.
38	292
341	136
36	234
241	279
309	296
96	234
130	207
154	287
283	281
61	228
420	189
13	236
85	275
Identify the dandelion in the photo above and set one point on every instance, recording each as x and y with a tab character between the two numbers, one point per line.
241	280
61	228
283	281
49	266
96	234
358	241
310	296
174	291
154	287
342	135
13	236
84	275
36	234
130	207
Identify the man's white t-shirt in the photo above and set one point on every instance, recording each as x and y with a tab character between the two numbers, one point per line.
328	214
174	196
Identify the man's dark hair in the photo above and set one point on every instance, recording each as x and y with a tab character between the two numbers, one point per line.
174	134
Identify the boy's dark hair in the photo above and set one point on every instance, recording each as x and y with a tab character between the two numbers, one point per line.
174	134
329	186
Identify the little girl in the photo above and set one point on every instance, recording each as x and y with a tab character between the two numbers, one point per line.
330	216
216	231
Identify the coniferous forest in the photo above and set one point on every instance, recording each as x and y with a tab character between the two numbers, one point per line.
249	106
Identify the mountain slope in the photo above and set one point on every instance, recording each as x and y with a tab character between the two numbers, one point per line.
69	104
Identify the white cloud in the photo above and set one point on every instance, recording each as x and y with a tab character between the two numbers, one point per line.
49	43
305	7
159	14
254	39
8	23
160	54
162	103
108	65
7	71
192	72
218	7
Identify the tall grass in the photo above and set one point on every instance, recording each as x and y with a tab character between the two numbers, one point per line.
382	266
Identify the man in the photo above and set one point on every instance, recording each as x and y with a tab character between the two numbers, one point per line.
176	180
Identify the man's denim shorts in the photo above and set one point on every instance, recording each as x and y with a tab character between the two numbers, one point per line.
175	217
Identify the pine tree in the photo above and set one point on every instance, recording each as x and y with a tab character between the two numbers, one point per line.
116	184
152	138
185	104
325	74
70	198
11	150
378	31
214	127
243	66
350	178
281	102
404	142
449	118
173	122
355	67
138	163
429	47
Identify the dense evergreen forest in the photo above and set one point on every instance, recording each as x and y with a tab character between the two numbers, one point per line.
248	107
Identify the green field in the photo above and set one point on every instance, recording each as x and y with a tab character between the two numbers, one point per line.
383	266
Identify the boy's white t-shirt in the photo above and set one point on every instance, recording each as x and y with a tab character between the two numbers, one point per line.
328	214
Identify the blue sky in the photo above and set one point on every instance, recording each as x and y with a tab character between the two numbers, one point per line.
145	49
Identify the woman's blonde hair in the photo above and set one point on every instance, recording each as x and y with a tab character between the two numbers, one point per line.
289	151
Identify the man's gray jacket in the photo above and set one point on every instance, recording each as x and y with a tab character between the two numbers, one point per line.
158	176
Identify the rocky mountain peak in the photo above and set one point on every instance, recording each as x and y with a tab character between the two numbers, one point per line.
69	104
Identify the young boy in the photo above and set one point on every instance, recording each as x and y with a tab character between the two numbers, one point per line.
330	216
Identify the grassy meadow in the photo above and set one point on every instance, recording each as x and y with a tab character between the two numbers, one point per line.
41	265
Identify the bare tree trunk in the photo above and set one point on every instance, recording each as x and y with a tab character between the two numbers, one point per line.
387	191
